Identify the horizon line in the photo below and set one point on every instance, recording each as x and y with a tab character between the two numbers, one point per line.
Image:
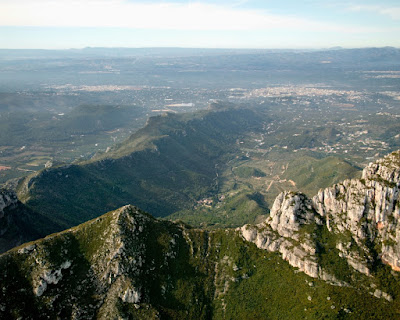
206	48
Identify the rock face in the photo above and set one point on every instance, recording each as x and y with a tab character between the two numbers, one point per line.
367	210
356	220
290	230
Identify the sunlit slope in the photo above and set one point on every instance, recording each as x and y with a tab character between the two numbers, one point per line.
162	168
128	264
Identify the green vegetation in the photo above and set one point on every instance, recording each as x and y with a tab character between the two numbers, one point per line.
311	174
248	172
28	140
185	273
329	256
231	210
274	291
24	128
19	224
171	164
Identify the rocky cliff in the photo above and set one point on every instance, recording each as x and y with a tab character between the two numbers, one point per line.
355	223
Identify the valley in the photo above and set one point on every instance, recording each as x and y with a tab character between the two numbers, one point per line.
47	97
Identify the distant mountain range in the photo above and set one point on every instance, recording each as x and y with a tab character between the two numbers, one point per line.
263	58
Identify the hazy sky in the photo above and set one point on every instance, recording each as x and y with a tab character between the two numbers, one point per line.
66	24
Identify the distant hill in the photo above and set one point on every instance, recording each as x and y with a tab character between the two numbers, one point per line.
311	174
218	59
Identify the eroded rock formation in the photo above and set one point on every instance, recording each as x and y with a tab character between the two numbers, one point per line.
359	219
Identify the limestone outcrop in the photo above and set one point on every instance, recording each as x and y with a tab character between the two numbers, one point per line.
357	219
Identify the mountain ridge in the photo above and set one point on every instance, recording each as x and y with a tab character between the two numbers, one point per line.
126	263
169	168
181	156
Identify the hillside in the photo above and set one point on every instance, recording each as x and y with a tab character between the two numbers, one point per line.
329	257
162	168
249	186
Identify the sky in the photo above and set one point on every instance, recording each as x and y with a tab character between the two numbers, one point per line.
280	24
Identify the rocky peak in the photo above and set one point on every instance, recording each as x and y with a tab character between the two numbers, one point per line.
289	231
117	233
360	220
110	260
289	212
367	210
386	169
